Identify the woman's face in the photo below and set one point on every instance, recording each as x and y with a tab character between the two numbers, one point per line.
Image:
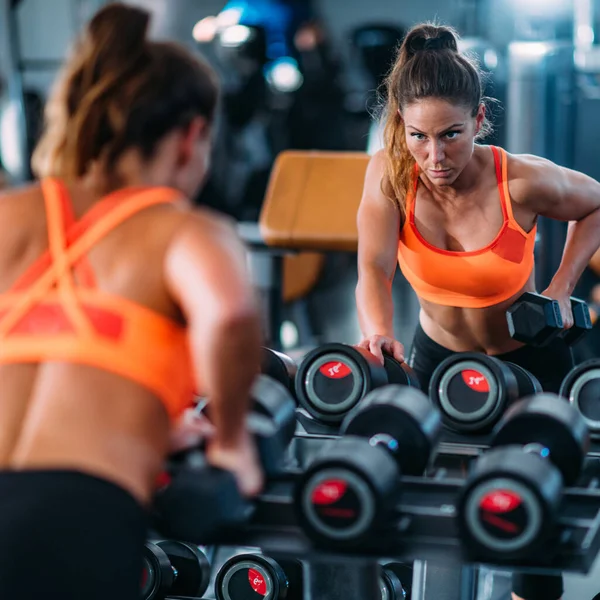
441	136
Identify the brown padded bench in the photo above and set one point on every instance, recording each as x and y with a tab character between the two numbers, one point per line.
310	207
312	200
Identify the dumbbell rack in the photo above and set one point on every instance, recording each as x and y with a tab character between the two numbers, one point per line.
426	530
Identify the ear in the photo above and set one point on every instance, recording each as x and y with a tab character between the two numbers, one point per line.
479	118
197	130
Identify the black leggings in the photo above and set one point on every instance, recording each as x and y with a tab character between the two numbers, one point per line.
550	365
68	536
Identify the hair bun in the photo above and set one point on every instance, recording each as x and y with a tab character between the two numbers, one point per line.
433	38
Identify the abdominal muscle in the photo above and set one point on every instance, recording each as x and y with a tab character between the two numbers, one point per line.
83	419
472	329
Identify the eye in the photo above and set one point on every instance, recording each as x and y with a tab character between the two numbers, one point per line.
451	135
418	136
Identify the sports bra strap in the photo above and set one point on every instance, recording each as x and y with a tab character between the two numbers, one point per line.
97	223
57	244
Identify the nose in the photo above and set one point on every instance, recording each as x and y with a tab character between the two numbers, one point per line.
437	153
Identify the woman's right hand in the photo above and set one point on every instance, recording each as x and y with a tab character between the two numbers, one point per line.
378	344
242	460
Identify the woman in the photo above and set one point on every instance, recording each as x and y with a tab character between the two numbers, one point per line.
116	302
460	219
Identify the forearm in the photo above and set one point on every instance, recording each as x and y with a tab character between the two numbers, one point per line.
374	304
229	364
583	239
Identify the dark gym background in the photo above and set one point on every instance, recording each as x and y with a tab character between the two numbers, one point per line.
304	74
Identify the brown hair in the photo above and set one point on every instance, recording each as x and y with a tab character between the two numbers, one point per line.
119	90
428	65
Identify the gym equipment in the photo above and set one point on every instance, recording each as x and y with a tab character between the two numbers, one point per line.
252	576
535	319
396	580
509	505
198	500
347	495
581	387
333	378
472	391
279	366
173	569
527	383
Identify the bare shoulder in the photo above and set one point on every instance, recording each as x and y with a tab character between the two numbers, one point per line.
528	173
205	231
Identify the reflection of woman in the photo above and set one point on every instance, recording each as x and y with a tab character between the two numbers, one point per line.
460	220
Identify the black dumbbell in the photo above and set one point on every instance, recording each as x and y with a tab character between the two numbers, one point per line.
333	378
527	383
581	387
173	568
472	390
508	507
197	502
347	495
279	366
536	320
395	581
253	576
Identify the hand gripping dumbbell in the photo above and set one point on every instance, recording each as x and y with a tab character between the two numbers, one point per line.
333	378
173	569
348	494
197	502
472	390
252	576
581	387
509	504
536	320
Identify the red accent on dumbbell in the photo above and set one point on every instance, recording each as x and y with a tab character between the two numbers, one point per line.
500	501
335	370
257	582
475	380
329	492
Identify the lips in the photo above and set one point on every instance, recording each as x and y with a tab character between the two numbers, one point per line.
440	174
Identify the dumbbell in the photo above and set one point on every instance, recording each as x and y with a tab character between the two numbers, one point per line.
279	366
581	387
472	390
173	568
347	495
333	378
508	507
197	502
536	320
395	581
252	576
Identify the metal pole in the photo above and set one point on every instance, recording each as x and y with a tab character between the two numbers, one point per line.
13	126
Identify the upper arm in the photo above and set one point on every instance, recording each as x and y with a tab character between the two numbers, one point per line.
206	272
378	222
550	190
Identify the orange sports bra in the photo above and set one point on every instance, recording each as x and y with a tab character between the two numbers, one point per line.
474	279
47	316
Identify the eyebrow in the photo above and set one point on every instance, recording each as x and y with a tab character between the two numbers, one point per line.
443	130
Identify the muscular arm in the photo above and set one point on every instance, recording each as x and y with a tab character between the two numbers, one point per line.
565	195
378	226
206	273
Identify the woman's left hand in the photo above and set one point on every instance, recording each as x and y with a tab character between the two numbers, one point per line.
564	301
191	429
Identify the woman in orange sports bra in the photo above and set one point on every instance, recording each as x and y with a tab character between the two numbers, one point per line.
117	302
460	220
